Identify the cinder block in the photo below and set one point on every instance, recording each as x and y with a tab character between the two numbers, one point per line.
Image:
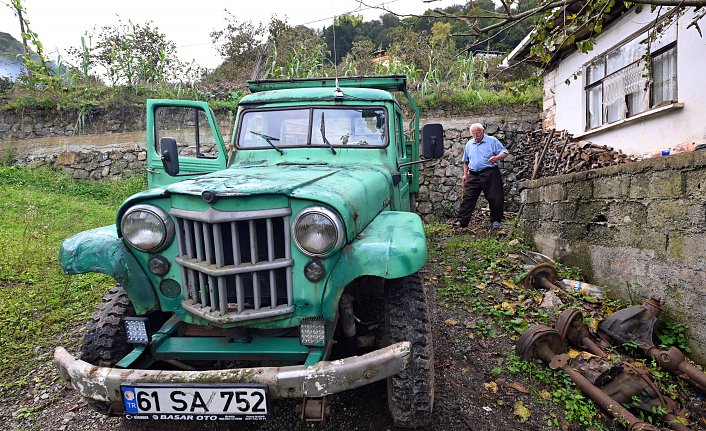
531	212
590	211
669	183
529	196
611	187
695	182
621	212
668	214
579	190
552	193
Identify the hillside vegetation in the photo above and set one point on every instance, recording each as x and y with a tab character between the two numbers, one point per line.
129	62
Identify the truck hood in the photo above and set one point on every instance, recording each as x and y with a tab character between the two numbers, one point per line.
357	192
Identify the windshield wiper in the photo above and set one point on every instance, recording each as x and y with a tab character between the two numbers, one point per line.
269	140
323	134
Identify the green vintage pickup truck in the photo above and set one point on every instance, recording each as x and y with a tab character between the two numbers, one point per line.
281	265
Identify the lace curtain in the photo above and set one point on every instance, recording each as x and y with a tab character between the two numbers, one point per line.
626	82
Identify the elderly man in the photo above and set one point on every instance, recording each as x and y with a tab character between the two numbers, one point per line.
481	174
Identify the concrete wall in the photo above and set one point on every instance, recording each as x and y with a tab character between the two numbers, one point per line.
664	130
639	229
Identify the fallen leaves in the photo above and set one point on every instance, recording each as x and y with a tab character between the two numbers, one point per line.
509	284
518	387
491	386
521	412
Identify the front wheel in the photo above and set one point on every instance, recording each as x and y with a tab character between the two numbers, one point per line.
105	342
410	393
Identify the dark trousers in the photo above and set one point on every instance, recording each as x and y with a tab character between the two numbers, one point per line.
491	184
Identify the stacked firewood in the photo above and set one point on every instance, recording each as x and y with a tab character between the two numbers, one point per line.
557	153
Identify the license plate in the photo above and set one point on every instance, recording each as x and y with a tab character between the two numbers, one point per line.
219	402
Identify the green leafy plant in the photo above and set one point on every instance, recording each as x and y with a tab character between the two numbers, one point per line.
673	334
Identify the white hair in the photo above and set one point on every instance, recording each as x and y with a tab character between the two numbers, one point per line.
477	126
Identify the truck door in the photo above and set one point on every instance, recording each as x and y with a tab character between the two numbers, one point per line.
199	142
402	157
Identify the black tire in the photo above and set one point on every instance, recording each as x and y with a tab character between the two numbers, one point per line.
410	393
105	342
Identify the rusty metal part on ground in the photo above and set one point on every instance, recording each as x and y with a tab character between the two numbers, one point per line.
545	343
631	381
541	276
636	325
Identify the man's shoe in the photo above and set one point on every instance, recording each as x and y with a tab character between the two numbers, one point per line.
457	224
496	225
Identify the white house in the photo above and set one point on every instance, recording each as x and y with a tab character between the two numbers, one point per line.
621	101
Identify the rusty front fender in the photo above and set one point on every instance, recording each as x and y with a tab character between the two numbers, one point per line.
100	250
102	384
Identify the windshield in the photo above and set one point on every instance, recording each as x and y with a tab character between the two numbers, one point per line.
342	127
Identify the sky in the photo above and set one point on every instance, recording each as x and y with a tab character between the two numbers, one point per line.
61	23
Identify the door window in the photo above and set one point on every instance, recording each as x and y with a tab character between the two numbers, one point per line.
191	129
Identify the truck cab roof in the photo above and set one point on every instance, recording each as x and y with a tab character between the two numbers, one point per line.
325	94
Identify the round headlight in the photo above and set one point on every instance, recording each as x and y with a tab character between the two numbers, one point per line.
147	228
318	231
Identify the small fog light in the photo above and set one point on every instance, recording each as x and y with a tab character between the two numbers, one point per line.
136	330
159	265
170	288
312	332
314	271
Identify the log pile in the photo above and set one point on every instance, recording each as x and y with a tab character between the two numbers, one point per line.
557	153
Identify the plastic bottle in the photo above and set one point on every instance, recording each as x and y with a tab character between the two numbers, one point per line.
585	289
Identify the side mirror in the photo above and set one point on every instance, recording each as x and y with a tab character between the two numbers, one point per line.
170	155
432	141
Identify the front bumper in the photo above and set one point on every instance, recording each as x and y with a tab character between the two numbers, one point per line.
102	384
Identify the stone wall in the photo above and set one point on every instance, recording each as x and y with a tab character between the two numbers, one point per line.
92	144
112	144
33	124
440	188
638	229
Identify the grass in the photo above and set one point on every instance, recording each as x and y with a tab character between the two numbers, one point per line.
38	303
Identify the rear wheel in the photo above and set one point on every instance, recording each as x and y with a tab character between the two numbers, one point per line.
410	393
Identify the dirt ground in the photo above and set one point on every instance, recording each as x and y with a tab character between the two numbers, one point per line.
468	395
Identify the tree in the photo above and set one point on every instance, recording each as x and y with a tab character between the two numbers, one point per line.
38	72
585	17
131	54
296	52
277	50
344	32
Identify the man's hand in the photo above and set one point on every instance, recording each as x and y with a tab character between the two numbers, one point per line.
497	158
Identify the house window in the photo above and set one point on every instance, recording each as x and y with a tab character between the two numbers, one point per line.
620	85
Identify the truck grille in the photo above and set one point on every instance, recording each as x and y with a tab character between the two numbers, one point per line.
235	266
